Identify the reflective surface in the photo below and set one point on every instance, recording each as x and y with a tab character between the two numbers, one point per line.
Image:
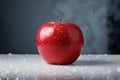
32	67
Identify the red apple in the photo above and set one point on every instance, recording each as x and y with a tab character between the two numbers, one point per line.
59	43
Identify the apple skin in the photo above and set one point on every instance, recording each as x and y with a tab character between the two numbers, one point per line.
59	43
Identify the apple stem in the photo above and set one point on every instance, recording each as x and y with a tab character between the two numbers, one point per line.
60	19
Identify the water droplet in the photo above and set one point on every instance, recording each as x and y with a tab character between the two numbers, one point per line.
92	73
85	66
7	71
2	74
108	72
27	54
17	69
118	69
23	73
108	59
10	54
74	70
17	78
97	56
11	66
103	72
105	55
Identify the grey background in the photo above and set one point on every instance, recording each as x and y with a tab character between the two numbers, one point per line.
99	21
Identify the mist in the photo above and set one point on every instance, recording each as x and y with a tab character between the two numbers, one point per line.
91	16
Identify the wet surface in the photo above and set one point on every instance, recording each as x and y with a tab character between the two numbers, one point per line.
32	67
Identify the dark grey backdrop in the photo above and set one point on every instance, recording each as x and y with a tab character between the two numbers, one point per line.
20	20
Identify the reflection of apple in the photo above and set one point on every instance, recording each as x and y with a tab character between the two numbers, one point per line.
52	76
59	43
57	73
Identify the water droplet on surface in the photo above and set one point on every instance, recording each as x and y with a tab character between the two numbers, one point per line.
2	74
103	72
23	73
97	56
10	54
105	55
85	66
107	59
11	66
7	71
74	70
108	72
16	70
118	69
17	78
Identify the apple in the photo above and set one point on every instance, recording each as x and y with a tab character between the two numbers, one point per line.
59	43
